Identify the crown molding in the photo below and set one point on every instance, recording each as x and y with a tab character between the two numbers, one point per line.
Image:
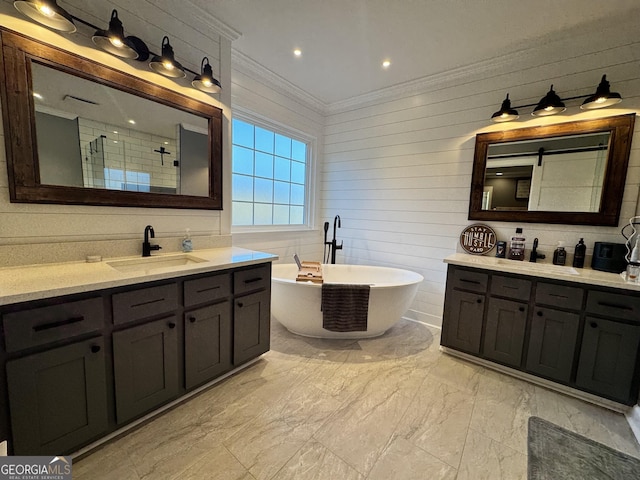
214	23
253	69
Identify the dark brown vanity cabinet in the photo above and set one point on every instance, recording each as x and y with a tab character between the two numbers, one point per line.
56	381
82	366
609	354
145	365
554	332
464	310
579	335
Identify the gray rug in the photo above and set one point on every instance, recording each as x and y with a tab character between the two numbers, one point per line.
558	454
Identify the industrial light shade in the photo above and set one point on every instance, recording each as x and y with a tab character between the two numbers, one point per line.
205	81
114	41
602	98
48	13
506	113
166	63
550	104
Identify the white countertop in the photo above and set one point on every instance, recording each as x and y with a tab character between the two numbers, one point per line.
543	270
33	282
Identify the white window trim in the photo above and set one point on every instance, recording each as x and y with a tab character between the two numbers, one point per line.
311	187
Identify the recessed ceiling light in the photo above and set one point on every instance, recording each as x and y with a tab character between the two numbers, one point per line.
115	131
386	64
499	173
297	52
132	122
37	95
166	143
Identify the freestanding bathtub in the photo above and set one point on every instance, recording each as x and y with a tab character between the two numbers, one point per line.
296	305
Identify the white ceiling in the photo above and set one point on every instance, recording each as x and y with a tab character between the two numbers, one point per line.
344	42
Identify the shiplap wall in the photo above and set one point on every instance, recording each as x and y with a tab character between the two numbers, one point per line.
251	95
32	233
397	168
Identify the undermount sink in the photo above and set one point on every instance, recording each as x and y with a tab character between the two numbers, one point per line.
148	264
540	267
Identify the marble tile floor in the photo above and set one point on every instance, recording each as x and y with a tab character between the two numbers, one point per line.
392	407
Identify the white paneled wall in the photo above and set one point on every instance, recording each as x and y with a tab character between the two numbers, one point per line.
251	95
32	233
397	168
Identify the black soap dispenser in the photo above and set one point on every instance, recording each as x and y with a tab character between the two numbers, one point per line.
579	254
560	255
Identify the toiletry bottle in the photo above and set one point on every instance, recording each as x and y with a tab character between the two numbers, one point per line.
187	246
560	255
516	249
579	254
635	253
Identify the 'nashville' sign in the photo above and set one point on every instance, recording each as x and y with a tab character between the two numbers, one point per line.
478	239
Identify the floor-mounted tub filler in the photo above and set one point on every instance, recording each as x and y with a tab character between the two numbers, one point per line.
296	305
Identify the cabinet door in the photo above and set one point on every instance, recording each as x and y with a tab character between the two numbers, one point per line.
504	331
58	398
207	343
462	325
251	324
552	343
609	358
145	362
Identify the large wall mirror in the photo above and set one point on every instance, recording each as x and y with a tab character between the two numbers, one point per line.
572	173
77	132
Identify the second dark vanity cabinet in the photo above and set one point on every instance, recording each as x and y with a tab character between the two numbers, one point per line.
583	336
609	354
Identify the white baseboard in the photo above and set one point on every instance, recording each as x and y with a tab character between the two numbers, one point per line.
633	418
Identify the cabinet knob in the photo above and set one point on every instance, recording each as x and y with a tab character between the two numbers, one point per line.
172	325
192	319
95	348
539	313
240	304
593	325
479	300
521	309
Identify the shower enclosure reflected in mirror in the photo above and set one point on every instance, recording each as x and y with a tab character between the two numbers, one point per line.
570	173
81	133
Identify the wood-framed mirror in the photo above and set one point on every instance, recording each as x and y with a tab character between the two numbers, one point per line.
79	132
571	173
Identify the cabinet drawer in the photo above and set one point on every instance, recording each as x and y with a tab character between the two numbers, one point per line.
559	296
614	305
38	326
510	287
473	281
144	303
207	290
251	280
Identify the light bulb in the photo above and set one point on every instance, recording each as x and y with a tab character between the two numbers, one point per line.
46	10
168	65
116	42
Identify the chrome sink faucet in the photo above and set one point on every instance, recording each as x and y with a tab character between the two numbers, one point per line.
146	246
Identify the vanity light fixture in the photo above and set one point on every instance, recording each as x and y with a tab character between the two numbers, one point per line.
166	64
204	80
114	41
552	104
506	113
47	12
603	97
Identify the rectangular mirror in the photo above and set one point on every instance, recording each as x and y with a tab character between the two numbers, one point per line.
78	132
571	173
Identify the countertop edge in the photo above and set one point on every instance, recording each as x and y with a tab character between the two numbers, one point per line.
585	276
100	276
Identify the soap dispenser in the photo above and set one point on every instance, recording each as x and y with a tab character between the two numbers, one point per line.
560	255
187	246
579	254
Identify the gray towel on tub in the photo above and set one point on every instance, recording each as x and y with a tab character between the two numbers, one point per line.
345	307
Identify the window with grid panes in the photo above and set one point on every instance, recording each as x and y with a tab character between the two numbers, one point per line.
269	176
